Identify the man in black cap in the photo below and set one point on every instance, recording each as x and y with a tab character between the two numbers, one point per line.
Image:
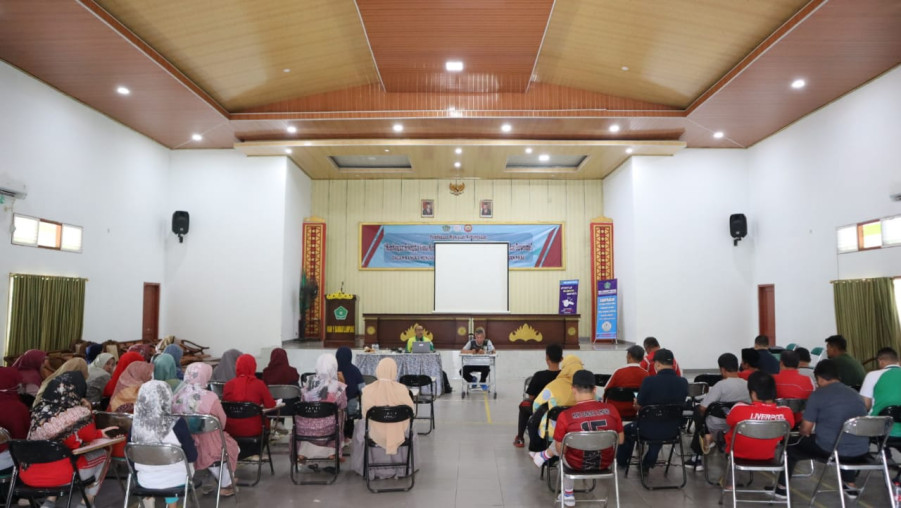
664	388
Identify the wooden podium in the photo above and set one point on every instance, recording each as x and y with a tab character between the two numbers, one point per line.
340	320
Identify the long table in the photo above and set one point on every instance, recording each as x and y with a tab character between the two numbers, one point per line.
451	331
428	364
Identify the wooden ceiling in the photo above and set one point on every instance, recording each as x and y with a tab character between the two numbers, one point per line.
553	70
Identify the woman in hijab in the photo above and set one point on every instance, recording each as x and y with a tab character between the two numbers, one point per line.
14	417
62	416
557	393
153	424
91	352
126	392
164	370
71	365
176	352
385	391
245	387
279	371
99	373
353	378
29	367
126	360
323	387
145	350
193	398
225	371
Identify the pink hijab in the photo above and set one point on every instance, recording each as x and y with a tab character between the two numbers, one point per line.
192	397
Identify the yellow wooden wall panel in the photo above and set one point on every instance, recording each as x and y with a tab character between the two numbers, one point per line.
344	204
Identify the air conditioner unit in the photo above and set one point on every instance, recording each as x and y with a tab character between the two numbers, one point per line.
13	191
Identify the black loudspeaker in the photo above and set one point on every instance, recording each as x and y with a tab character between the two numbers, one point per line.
180	222
738	227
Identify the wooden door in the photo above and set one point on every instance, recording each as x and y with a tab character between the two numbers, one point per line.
766	311
151	322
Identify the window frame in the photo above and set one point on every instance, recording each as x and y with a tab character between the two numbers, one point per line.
60	227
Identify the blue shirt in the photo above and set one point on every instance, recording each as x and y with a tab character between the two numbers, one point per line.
663	388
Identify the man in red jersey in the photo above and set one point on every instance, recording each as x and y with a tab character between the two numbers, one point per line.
651	346
762	388
791	384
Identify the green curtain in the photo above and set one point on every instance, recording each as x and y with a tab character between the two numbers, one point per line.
866	315
46	313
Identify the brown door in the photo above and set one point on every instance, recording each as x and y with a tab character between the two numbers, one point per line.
151	325
766	303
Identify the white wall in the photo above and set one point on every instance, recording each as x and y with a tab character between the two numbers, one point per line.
85	169
835	167
682	280
298	191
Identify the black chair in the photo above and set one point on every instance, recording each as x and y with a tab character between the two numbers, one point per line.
253	445
201	424
763	430
595	442
305	376
289	395
24	452
669	417
696	392
4	478
389	414
718	409
709	379
621	394
601	379
422	399
369	379
102	420
525	386
877	430
218	388
317	410
158	455
893	442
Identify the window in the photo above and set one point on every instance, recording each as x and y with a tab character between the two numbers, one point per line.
847	239
34	232
873	234
870	235
891	231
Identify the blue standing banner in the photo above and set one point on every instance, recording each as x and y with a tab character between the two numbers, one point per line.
605	328
569	297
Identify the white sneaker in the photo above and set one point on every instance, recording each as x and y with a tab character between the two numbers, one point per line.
568	499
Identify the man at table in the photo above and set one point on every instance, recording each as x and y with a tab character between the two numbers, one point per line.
418	338
478	345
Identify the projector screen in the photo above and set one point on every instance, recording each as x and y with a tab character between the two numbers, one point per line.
471	277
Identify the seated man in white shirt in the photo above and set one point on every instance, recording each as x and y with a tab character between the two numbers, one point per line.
887	358
478	345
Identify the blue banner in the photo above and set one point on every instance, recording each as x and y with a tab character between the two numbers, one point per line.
605	328
399	246
569	296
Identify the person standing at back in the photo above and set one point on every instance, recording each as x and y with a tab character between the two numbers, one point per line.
767	363
651	346
850	370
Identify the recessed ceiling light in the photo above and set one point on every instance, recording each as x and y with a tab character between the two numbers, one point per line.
625	68
292	129
457	164
798	84
544	157
387	150
506	127
286	70
453	65
122	90
529	150
288	150
307	143
628	150
614	128
718	134
196	137
398	127
458	151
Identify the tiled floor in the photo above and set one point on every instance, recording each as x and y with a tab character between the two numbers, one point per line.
469	462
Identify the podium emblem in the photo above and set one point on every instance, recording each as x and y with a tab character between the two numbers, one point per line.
341	313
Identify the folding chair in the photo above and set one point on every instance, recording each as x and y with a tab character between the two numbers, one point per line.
420	399
369	379
157	455
791	346
316	410
4	478
389	414
893	442
592	442
719	409
252	445
621	394
201	424
525	386
305	376
102	420
709	379
601	379
668	415
875	428
552	416
42	452
289	395
696	392
217	388
758	429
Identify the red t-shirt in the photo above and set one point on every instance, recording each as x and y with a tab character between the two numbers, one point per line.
246	389
648	364
586	416
629	376
56	473
755	449
745	374
791	384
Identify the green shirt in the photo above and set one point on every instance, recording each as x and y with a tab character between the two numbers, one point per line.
412	339
887	392
850	371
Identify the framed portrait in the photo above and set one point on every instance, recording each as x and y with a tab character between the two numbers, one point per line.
428	208
486	209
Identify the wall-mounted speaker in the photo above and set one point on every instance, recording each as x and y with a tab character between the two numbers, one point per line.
180	223
738	227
